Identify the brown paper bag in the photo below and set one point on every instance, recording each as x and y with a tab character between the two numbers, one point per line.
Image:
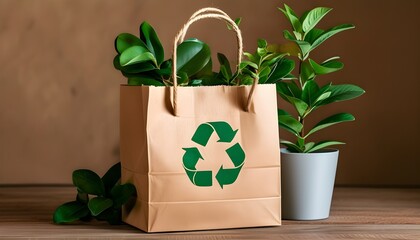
201	157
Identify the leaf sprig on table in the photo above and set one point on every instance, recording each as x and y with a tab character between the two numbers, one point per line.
99	198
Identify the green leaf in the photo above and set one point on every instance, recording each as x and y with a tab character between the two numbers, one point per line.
262	43
312	35
323	144
308	146
207	70
300	106
307	73
127	40
237	22
342	92
112	176
244	64
111	215
136	54
329	33
132	70
289	123
292	147
144	80
304	47
309	92
88	181
99	204
225	63
292	17
82	197
288	89
325	68
313	17
70	211
149	36
288	35
282	69
332	120
192	56
122	193
263	74
183	78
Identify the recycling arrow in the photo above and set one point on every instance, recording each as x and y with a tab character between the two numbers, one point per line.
204	131
199	178
224	176
227	176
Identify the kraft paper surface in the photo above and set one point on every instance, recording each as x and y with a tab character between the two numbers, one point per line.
213	166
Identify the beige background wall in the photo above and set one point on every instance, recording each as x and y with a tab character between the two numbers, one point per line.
59	92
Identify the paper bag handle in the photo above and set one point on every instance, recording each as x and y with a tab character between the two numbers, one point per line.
199	15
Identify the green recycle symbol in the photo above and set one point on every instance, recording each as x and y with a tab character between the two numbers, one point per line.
224	176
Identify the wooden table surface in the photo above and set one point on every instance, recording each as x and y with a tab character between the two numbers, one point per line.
357	213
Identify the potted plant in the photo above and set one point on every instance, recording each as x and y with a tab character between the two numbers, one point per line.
308	168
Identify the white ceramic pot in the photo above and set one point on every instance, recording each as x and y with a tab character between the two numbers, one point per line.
307	184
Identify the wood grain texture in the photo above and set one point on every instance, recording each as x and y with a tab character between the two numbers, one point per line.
357	213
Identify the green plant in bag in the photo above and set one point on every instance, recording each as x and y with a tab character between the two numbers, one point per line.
305	93
141	60
99	198
266	65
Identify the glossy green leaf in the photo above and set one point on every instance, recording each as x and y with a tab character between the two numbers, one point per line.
112	176
134	55
144	80
207	70
332	120
116	62
292	17
262	43
183	78
323	93
99	204
150	38
134	69
288	89
127	40
329	33
192	56
251	57
325	68
307	72
225	63
309	146
309	92
82	197
300	106
88	181
323	144
70	211
286	121
291	146
304	47
244	64
282	69
342	92
312	35
313	17
263	74
122	193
